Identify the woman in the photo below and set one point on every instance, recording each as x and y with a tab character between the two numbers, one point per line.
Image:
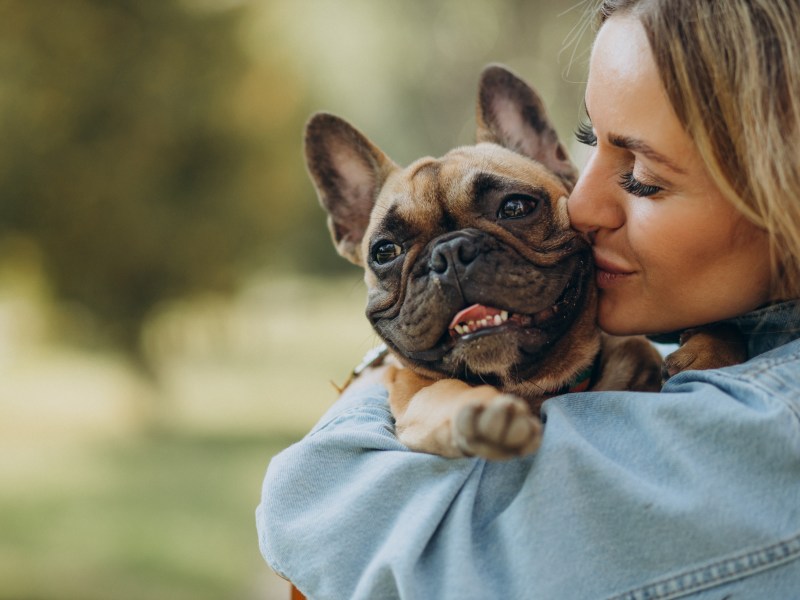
691	200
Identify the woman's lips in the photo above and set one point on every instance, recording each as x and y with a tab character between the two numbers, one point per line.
610	272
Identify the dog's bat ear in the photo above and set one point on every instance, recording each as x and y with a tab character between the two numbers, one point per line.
510	113
348	172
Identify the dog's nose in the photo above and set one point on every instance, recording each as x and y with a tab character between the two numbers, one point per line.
455	252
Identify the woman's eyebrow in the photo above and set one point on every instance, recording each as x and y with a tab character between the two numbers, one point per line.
635	145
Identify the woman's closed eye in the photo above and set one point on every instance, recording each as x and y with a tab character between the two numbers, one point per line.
584	134
633	186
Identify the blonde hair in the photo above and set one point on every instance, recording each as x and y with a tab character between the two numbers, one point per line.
731	69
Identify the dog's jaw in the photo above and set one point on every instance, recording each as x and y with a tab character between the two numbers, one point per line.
511	335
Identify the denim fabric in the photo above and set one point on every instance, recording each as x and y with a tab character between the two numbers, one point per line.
690	493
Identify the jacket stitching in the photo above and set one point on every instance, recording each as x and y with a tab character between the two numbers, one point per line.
751	377
718	573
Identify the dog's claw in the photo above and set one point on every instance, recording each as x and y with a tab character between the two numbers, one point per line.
504	428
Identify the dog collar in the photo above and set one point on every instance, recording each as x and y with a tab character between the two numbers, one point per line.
581	382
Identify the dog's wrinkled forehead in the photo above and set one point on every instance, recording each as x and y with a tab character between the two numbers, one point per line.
415	194
433	190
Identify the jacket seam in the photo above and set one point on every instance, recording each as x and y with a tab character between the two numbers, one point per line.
767	365
751	377
718	573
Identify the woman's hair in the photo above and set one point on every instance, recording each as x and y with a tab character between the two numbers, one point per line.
731	69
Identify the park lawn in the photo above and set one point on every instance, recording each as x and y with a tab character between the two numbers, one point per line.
165	516
115	488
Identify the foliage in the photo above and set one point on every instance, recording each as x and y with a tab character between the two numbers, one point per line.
139	151
152	148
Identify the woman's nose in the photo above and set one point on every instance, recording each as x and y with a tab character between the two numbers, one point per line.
596	202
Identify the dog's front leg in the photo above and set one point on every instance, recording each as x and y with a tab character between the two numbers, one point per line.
707	347
453	419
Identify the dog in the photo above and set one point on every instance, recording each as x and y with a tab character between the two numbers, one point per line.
481	291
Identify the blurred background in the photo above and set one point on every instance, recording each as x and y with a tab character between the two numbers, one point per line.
172	312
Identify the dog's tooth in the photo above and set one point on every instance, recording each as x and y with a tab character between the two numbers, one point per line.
498	320
504	315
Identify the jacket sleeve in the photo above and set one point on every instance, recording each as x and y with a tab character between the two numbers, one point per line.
349	504
692	489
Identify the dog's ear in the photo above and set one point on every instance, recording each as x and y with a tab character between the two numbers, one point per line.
348	172
511	114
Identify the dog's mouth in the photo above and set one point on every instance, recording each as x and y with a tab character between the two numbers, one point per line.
537	329
480	318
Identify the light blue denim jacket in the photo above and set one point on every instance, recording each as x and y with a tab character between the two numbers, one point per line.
690	493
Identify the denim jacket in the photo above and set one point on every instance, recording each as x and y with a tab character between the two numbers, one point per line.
693	492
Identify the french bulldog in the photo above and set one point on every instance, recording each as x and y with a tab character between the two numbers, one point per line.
483	294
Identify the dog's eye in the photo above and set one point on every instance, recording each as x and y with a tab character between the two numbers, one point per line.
385	251
516	207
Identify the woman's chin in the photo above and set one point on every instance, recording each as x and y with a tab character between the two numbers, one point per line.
622	320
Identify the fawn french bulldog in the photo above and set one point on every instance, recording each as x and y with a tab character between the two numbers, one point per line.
482	292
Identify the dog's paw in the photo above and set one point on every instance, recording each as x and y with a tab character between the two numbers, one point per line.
503	428
709	347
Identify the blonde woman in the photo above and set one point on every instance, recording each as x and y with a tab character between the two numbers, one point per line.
691	198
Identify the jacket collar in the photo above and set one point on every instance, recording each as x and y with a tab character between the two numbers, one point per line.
764	329
770	326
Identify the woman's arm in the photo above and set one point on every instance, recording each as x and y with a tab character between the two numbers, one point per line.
349	506
693	488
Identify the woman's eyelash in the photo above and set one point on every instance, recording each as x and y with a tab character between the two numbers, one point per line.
585	135
633	186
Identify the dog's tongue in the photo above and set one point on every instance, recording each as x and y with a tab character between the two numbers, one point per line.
476	312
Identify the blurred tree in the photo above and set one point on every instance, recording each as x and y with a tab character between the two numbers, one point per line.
152	147
142	151
406	73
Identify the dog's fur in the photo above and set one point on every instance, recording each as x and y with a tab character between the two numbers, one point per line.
481	232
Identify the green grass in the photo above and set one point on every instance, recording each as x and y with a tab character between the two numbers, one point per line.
167	516
114	489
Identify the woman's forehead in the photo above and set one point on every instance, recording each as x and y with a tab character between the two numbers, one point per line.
621	51
625	98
